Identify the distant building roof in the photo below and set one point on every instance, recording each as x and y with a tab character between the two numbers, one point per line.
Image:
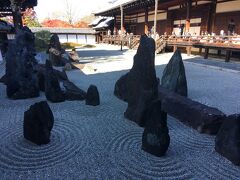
115	5
104	24
65	30
97	21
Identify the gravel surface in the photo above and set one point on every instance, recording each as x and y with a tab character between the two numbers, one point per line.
99	143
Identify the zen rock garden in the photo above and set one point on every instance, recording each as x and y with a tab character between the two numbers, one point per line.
150	102
25	78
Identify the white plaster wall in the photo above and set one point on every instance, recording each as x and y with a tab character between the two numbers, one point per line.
81	39
62	38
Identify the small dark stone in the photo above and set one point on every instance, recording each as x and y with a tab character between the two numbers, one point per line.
73	92
53	91
174	77
227	142
21	77
203	118
38	123
92	97
155	139
139	86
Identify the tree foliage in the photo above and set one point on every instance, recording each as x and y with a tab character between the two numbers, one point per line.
30	18
42	39
56	23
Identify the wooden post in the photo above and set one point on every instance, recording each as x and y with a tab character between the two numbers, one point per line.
174	48
228	55
188	50
212	17
146	21
155	18
115	25
206	52
189	6
121	8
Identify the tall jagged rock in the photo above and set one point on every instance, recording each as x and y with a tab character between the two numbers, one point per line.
174	77
227	142
21	78
139	86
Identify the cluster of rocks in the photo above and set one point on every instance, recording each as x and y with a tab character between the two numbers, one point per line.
149	103
25	78
139	88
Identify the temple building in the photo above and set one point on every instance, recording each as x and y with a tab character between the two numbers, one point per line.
199	26
192	16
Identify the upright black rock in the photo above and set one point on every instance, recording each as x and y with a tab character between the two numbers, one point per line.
21	78
38	123
53	91
155	139
227	142
92	97
174	77
56	51
139	86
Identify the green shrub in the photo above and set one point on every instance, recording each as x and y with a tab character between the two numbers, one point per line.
42	39
44	35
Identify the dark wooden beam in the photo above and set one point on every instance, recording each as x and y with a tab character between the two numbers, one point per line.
188	17
212	16
146	21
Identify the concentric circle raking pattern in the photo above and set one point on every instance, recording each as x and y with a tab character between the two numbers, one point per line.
134	163
19	154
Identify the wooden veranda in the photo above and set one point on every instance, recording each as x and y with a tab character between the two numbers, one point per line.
228	44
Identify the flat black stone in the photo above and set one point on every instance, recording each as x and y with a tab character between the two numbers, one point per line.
203	118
